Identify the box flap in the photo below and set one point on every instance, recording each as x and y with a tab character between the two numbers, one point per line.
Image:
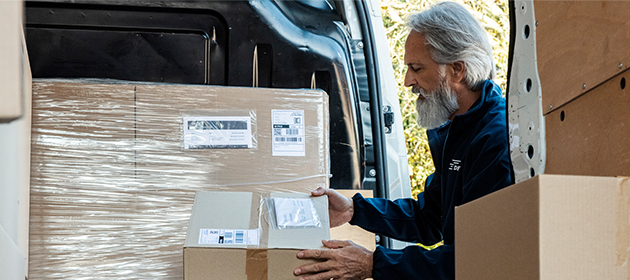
302	238
243	220
218	210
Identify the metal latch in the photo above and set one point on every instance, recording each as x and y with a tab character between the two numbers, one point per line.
388	118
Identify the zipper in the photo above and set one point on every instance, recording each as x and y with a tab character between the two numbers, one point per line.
448	132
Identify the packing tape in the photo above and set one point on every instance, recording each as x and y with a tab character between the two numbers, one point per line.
256	266
623	225
256	263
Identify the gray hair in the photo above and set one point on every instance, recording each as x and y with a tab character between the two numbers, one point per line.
453	34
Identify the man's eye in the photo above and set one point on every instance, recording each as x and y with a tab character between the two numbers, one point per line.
415	69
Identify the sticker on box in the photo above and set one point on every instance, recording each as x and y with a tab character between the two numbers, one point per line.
228	236
217	132
295	213
288	132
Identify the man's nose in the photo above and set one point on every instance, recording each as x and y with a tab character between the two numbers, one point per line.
409	81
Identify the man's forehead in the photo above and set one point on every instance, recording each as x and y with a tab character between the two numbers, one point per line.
416	49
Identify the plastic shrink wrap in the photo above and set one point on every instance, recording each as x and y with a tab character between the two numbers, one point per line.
115	167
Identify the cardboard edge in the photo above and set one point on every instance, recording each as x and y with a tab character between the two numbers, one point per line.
528	193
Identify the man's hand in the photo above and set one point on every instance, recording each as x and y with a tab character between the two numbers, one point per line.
340	208
345	260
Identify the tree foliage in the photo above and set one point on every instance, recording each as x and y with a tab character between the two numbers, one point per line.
493	15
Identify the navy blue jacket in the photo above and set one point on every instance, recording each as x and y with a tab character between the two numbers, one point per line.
471	157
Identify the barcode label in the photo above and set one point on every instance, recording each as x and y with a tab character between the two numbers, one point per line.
288	139
217	132
239	237
229	236
288	132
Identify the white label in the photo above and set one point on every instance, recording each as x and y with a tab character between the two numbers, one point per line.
288	132
217	132
295	212
228	236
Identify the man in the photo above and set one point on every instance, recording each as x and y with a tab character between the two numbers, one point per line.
450	67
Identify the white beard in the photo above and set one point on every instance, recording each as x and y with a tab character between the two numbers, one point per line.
437	106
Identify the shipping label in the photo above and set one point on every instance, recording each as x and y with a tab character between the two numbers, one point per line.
288	133
229	236
217	132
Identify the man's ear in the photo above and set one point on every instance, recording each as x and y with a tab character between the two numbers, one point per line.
459	70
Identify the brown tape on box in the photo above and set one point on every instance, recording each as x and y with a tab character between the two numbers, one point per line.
623	225
256	265
256	262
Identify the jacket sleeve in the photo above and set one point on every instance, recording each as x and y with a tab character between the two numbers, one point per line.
414	262
404	219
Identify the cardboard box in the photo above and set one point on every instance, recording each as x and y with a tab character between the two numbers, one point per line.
112	185
548	227
588	135
12	56
162	109
354	233
579	45
240	235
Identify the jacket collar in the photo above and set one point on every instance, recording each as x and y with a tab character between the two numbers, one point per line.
490	91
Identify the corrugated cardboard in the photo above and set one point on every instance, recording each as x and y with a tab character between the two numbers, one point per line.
112	186
579	45
354	233
588	136
159	113
12	58
275	256
548	227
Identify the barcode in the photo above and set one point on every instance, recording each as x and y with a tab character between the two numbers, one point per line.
239	237
228	237
292	131
288	139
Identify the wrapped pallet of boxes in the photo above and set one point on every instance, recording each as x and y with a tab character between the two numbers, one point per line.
550	227
116	165
244	235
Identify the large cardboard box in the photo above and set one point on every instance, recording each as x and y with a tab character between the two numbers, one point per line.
287	138
244	235
588	136
112	183
548	227
12	75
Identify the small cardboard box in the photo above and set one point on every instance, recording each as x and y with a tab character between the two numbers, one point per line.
241	235
548	227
